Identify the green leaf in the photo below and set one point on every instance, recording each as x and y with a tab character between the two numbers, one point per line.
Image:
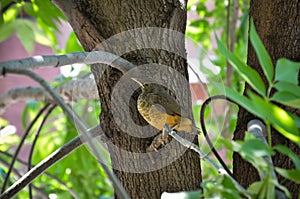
250	75
28	7
241	100
262	54
258	188
287	86
287	98
3	122
291	154
6	30
292	174
72	44
11	13
287	71
296	120
26	35
256	148
277	116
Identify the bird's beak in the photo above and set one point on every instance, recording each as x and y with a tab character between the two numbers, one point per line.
137	81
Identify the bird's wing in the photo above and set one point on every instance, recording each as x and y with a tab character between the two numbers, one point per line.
167	104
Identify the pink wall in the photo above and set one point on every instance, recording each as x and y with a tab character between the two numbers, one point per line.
12	49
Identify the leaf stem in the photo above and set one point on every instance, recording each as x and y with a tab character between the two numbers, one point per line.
269	132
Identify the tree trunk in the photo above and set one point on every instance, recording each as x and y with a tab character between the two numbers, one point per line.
97	24
277	23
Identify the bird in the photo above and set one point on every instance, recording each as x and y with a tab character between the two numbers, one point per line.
159	108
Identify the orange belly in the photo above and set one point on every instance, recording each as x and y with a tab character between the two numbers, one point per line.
156	118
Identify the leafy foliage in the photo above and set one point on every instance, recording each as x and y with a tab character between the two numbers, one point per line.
32	21
283	83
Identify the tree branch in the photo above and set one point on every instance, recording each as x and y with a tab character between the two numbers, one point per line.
46	163
81	126
70	91
72	192
17	173
205	157
67	59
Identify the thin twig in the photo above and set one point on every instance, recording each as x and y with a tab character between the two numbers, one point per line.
43	165
228	65
70	91
34	143
20	146
204	156
72	192
17	173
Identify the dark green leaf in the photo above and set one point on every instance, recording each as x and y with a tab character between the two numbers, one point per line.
287	98
296	120
241	100
250	75
287	151
287	71
287	86
28	7
262	54
292	174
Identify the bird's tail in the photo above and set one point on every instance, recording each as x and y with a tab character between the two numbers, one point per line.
188	126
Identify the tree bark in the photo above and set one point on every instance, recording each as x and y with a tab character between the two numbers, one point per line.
277	23
98	24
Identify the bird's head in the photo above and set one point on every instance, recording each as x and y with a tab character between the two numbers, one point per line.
143	82
147	84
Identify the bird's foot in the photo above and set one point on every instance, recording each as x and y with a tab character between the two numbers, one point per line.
160	140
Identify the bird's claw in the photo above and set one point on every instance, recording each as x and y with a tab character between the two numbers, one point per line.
160	140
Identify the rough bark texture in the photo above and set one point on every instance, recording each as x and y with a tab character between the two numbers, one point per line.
277	23
94	21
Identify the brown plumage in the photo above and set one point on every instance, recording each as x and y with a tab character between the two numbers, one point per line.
158	108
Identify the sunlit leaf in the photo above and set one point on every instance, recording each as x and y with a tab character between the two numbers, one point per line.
11	13
250	75
3	122
72	44
277	116
262	54
8	140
